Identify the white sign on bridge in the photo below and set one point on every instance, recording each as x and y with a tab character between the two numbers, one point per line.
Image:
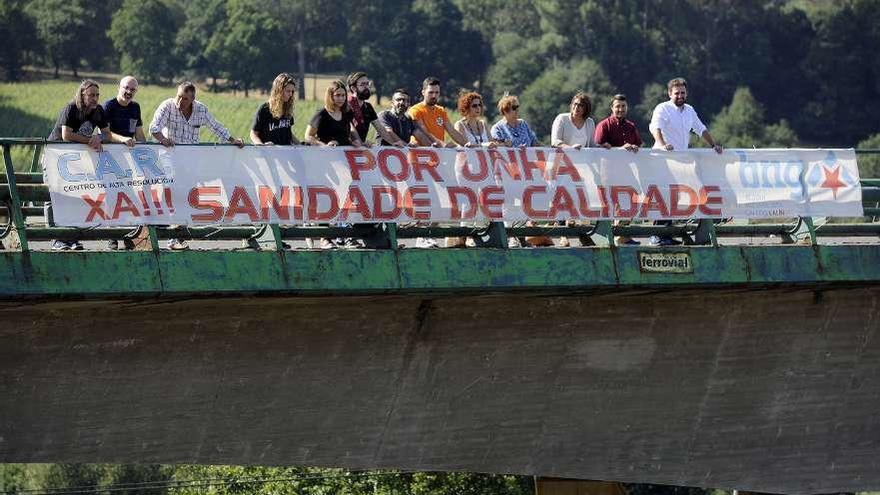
225	185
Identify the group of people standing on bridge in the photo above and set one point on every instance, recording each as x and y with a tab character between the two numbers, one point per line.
347	116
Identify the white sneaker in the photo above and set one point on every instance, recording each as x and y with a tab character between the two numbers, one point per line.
513	242
426	243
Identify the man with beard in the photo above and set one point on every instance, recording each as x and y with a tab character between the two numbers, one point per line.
671	125
432	118
397	123
617	131
124	117
123	113
673	121
76	123
364	113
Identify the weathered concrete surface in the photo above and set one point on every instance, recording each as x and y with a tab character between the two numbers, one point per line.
775	390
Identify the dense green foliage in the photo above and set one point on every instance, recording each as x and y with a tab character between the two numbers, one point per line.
129	479
812	67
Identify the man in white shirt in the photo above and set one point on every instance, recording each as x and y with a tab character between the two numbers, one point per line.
671	125
178	120
674	120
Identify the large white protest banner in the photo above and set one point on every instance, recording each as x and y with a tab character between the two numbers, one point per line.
225	185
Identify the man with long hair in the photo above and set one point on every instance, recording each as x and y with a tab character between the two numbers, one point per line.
76	123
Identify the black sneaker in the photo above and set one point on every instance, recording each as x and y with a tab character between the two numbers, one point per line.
113	244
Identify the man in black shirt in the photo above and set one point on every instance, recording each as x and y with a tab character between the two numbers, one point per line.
78	120
397	123
123	113
364	113
124	118
76	123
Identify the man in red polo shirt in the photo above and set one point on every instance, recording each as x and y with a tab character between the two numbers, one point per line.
616	131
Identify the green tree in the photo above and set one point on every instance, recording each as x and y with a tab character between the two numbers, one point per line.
73	476
249	45
550	94
869	165
313	40
65	30
203	18
13	478
147	48
140	479
844	67
518	62
742	125
652	95
17	35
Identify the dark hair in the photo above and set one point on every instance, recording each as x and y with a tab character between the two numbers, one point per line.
678	81
618	97
187	87
402	91
585	100
430	81
353	78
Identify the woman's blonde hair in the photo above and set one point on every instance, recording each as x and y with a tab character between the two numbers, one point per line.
328	96
277	106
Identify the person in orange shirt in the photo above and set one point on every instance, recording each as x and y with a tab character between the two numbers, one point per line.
433	121
432	118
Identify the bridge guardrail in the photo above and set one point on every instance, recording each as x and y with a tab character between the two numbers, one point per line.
23	192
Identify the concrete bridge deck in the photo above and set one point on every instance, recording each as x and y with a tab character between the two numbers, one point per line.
773	389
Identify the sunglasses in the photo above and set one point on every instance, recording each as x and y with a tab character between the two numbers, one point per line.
477	105
514	108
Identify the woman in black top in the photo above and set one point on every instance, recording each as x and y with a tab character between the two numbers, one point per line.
332	125
273	123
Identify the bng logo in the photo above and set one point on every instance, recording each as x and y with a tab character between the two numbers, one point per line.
829	174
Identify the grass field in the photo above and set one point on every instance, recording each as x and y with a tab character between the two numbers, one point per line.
30	109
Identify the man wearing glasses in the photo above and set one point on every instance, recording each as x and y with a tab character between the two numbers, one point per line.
123	116
123	113
364	113
397	123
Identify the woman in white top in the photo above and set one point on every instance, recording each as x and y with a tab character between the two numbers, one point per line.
575	129
471	125
474	129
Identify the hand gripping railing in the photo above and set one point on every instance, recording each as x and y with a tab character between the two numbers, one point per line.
23	193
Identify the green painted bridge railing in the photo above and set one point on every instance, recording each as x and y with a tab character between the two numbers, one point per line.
803	258
22	193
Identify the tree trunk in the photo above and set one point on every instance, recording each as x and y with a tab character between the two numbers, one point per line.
301	62
55	63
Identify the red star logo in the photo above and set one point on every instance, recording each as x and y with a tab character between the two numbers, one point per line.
832	180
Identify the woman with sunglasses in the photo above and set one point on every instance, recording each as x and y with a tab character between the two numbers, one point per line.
511	130
474	129
471	125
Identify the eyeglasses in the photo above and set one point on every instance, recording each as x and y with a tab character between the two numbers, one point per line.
514	108
476	105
